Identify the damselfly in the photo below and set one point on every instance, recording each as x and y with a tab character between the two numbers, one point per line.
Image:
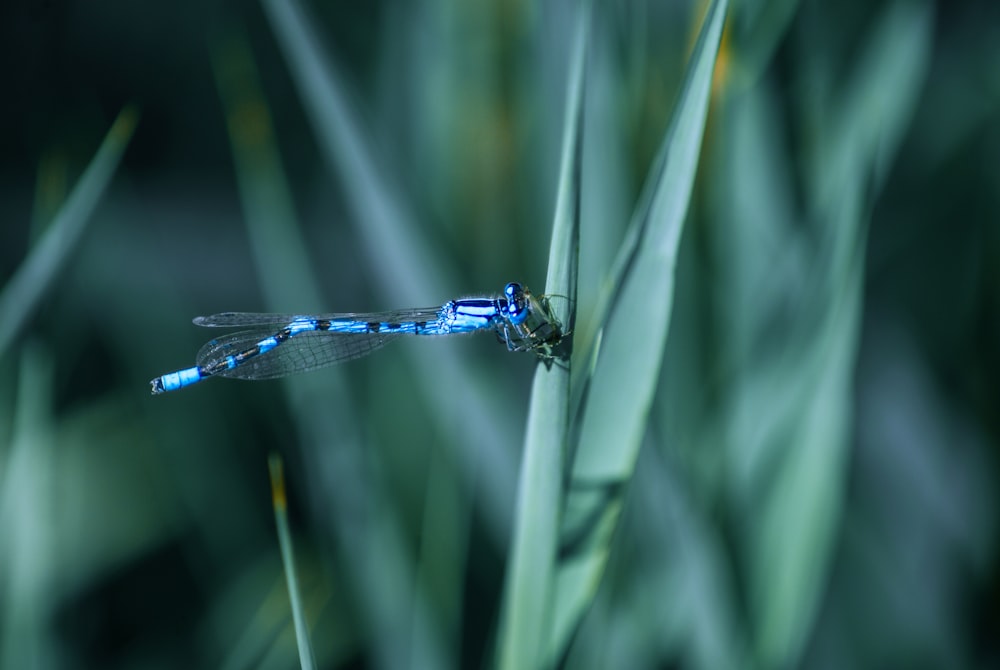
276	345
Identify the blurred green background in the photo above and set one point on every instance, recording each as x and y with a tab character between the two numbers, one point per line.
788	510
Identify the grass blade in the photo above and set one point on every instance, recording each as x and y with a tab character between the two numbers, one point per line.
321	404
32	280
28	556
797	470
280	503
408	268
627	349
526	617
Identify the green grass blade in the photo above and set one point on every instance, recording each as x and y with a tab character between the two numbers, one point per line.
869	117
526	617
629	346
408	267
797	469
280	503
321	404
757	34
32	280
28	554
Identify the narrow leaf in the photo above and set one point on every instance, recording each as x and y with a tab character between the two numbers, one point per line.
628	346
280	503
321	404
802	466
32	280
526	622
407	267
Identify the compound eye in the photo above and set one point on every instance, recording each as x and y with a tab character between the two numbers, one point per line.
516	304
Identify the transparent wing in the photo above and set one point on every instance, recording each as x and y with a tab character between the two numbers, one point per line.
236	319
303	352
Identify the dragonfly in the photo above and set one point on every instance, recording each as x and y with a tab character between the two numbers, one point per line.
278	345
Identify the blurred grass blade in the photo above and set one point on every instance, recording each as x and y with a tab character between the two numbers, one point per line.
321	404
757	32
280	503
801	464
25	289
869	117
403	264
631	342
526	617
273	229
410	269
28	553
